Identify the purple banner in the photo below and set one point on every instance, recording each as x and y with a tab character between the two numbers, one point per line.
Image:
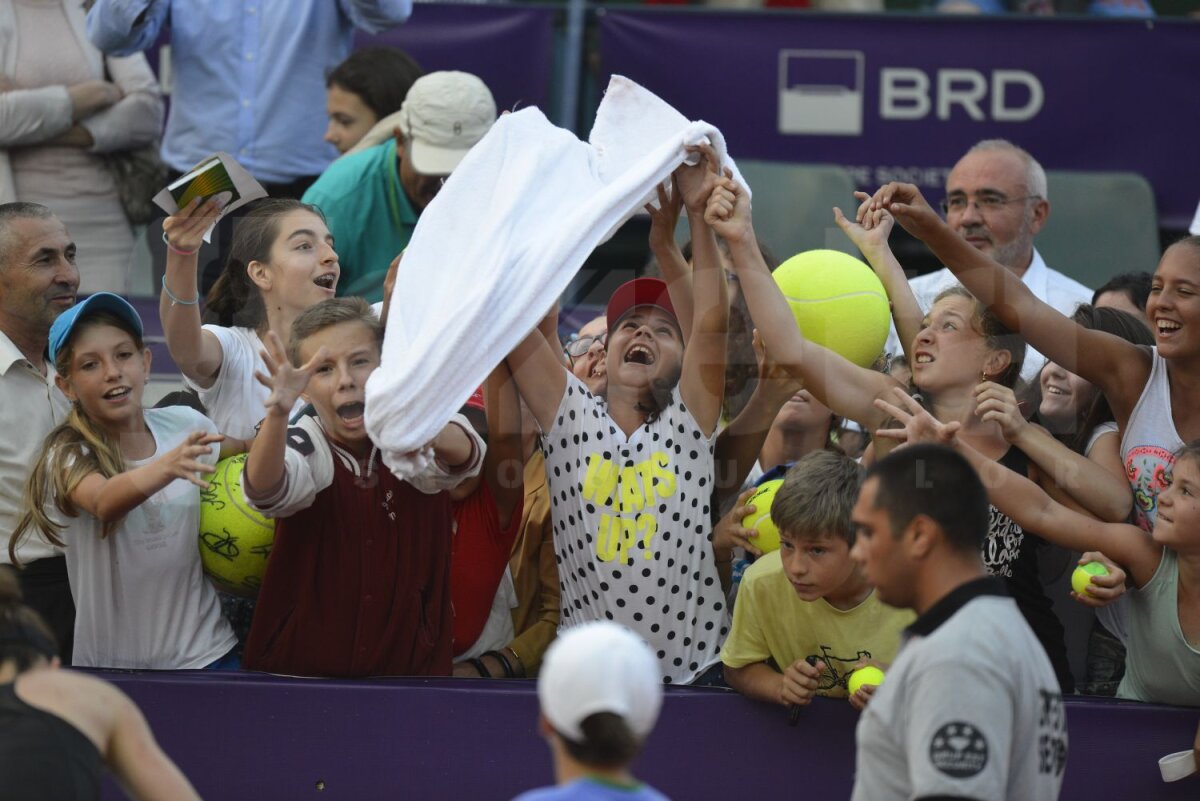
510	48
901	98
250	736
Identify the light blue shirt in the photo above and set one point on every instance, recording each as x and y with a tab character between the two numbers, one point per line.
249	75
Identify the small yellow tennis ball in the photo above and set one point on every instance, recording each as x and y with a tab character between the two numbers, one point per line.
760	519
235	540
1081	579
863	676
838	302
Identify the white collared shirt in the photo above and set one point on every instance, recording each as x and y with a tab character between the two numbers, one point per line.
1048	285
30	406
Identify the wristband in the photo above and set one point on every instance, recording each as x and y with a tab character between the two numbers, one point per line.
179	301
176	250
477	663
499	656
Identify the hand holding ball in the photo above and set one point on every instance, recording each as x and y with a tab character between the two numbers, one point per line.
863	676
760	519
235	540
1081	579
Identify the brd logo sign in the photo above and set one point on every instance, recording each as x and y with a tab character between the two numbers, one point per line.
821	93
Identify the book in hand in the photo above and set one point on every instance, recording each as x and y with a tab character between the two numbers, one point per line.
206	181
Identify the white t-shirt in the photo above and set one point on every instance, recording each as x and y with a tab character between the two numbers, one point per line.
631	528
970	708
141	597
236	400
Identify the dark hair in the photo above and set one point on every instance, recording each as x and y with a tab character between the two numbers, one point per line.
19	210
381	76
234	299
607	741
741	363
937	482
817	496
1135	286
24	636
1118	323
998	337
328	313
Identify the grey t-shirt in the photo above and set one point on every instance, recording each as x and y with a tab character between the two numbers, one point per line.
970	708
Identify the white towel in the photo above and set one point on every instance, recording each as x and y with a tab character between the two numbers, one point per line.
500	243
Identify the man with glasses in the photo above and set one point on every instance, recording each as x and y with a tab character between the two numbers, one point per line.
372	199
996	199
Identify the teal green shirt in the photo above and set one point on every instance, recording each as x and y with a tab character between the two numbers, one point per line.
369	215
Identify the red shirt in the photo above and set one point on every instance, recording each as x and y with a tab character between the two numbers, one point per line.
481	553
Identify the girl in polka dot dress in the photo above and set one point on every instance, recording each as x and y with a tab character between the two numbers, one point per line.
631	474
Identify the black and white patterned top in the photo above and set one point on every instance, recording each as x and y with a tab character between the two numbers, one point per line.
632	520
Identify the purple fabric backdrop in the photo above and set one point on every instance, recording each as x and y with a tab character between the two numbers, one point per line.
901	98
245	736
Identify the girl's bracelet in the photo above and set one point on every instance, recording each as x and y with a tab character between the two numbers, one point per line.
178	301
176	250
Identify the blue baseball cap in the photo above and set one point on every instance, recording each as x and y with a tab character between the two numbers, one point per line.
60	332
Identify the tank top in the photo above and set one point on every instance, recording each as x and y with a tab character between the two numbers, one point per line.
1149	443
42	756
1011	553
1161	666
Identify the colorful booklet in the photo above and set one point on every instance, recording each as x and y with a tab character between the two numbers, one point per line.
217	176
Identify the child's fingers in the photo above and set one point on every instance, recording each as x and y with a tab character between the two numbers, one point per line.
317	358
265	380
895	411
892	433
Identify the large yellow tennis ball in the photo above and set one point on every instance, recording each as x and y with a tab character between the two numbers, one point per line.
838	302
235	540
1081	578
760	519
863	676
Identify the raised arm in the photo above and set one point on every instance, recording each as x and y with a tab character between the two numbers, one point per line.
541	376
847	389
124	27
671	264
1118	367
1095	488
503	465
702	384
873	242
197	352
1027	503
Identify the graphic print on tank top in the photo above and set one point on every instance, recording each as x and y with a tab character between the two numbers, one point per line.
631	525
1148	468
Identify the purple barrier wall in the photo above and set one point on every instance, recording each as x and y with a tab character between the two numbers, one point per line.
245	736
900	98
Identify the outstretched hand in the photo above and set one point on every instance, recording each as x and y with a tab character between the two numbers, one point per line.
184	460
664	218
696	182
285	381
870	228
728	212
906	204
918	424
185	228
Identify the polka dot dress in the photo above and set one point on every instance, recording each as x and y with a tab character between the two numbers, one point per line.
631	526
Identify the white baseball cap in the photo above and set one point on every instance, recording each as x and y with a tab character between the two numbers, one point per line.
443	115
599	667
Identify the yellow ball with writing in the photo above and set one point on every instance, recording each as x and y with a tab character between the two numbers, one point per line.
760	519
235	540
838	302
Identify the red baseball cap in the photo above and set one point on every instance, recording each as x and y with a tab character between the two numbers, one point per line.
639	292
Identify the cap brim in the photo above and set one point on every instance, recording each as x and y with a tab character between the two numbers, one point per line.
430	159
61	330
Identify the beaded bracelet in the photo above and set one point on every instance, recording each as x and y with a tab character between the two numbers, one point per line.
177	301
176	250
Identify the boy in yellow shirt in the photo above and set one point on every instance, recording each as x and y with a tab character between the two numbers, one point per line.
805	616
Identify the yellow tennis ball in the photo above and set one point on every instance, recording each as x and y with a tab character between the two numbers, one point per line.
760	519
1081	578
838	302
235	540
863	676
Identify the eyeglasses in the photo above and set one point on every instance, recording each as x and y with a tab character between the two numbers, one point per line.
988	201
578	346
